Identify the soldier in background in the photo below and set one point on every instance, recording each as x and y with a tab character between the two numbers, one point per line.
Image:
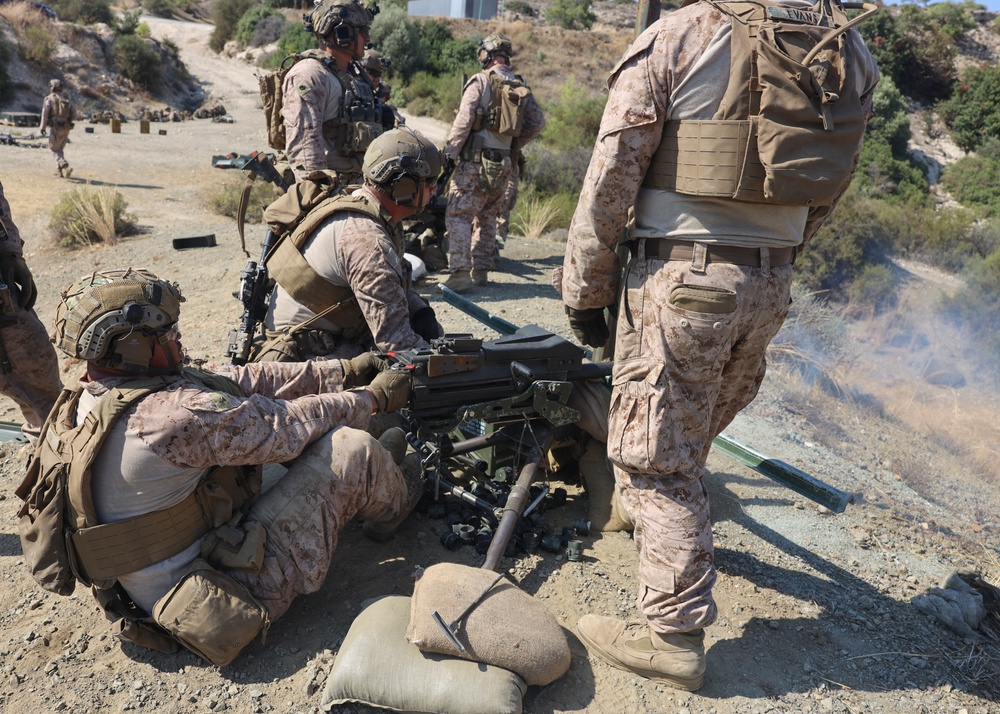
375	65
58	115
330	111
509	200
496	118
29	370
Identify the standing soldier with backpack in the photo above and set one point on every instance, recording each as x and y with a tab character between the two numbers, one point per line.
731	131
58	116
320	106
497	117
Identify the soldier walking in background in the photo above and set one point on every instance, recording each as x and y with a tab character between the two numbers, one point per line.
375	65
330	110
497	117
707	287
58	115
29	369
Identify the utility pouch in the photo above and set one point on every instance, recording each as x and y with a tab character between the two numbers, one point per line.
211	614
145	635
239	547
360	135
493	175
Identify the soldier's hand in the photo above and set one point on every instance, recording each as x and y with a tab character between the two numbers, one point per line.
361	370
391	390
589	325
41	132
15	272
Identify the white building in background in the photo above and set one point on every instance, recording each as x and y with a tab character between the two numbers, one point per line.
475	9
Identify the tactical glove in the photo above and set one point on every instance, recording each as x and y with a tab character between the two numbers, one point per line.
15	273
391	390
424	323
361	370
589	325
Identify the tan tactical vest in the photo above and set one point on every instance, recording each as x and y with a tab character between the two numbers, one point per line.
62	539
62	113
504	114
294	217
791	120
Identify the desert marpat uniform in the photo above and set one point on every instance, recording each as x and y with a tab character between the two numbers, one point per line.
692	329
58	115
354	250
159	451
473	207
313	110
33	381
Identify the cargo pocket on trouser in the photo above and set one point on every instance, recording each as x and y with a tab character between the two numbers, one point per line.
630	421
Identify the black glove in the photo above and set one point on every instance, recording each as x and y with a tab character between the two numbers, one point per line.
361	370
424	323
15	273
391	390
589	325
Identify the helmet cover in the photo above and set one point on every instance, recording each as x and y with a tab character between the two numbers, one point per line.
494	45
329	14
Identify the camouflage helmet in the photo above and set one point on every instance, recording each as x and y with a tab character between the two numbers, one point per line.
55	84
330	14
494	45
105	316
398	161
373	61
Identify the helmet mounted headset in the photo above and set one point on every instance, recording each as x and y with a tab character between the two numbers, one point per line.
337	22
399	161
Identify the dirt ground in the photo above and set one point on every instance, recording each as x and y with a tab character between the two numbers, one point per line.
814	608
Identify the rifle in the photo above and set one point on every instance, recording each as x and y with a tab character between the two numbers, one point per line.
255	284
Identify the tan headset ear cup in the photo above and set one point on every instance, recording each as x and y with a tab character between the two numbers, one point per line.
404	190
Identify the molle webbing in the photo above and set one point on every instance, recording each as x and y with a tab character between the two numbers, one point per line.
292	272
791	119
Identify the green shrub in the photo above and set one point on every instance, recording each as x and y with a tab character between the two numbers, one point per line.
873	289
571	14
891	123
431	95
927	76
83	217
295	40
143	30
38	45
519	7
398	38
226	201
954	18
443	53
84	12
138	61
127	23
972	180
973	112
226	15
248	22
160	8
554	172
574	119
880	174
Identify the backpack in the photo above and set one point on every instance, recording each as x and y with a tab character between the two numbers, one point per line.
791	120
272	96
508	103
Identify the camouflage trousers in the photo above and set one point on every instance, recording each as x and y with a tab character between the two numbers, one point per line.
471	220
33	383
343	475
58	138
690	354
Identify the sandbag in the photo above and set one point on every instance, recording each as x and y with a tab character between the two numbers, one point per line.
378	667
508	628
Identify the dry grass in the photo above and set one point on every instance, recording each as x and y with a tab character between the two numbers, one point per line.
21	16
84	217
532	218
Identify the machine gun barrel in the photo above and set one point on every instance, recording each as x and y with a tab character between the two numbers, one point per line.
473	310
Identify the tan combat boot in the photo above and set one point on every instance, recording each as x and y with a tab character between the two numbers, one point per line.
59	171
459	281
479	277
67	171
677	660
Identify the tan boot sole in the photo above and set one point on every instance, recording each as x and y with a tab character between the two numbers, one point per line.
687	684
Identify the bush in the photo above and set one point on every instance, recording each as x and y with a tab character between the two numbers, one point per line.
226	201
295	40
444	53
973	179
571	14
38	45
138	61
874	289
268	30
554	172
398	38
431	95
127	23
248	22
84	217
226	15
84	12
574	119
160	8
973	112
880	174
